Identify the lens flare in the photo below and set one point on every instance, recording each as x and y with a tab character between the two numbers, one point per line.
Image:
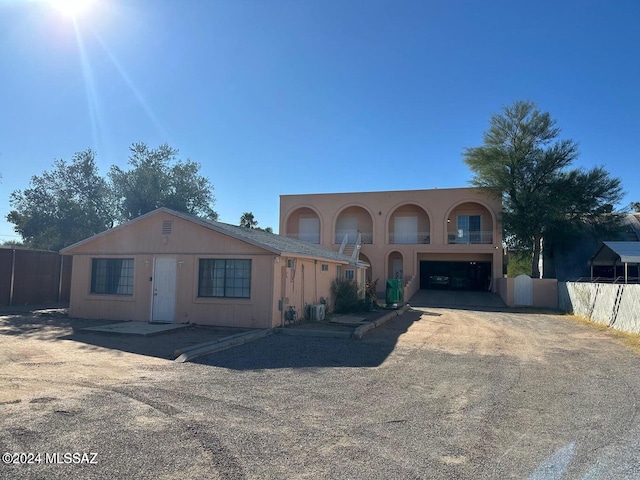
71	8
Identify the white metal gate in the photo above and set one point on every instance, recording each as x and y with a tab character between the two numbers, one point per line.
523	290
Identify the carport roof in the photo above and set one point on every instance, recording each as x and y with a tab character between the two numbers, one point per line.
617	253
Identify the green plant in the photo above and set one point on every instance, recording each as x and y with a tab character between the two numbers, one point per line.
345	296
370	291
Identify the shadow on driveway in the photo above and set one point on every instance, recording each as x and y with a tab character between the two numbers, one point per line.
274	351
284	351
52	326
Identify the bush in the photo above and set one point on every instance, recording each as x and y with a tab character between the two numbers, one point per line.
345	296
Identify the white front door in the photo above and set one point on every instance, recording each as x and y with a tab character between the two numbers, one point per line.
164	290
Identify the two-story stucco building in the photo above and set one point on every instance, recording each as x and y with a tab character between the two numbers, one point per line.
440	238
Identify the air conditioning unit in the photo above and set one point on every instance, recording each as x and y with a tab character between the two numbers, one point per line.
316	312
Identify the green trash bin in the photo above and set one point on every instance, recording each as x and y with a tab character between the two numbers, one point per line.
394	292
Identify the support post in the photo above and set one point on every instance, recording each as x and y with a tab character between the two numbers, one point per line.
13	275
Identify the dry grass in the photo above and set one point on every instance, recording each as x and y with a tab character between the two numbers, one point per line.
631	340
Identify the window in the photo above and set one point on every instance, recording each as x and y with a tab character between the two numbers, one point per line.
350	274
112	276
325	267
224	278
469	230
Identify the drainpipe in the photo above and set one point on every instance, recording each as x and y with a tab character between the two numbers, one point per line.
13	274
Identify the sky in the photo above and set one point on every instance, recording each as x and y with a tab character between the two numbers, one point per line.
277	97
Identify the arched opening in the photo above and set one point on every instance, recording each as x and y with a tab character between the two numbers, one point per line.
352	222
409	224
395	266
470	223
304	224
369	270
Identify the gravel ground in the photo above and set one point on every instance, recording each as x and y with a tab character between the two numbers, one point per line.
435	393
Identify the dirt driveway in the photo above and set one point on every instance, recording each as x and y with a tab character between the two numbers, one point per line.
435	393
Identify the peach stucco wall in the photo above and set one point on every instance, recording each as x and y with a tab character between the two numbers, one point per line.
143	240
440	205
187	243
305	283
545	292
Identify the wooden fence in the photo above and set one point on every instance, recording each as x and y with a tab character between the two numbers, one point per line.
31	277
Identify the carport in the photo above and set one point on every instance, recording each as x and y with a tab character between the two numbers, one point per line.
612	256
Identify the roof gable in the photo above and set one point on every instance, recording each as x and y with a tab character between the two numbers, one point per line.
266	241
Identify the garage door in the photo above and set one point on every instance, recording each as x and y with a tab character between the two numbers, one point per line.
469	275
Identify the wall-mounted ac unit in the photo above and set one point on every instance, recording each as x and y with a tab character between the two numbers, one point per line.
316	312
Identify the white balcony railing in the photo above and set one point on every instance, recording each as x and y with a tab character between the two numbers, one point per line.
352	237
409	238
470	237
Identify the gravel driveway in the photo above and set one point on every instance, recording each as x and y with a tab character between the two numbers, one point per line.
435	393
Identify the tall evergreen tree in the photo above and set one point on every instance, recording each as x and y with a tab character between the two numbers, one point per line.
523	162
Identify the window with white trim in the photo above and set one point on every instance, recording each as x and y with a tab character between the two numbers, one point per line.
350	274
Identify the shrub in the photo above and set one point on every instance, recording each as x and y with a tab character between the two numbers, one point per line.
345	296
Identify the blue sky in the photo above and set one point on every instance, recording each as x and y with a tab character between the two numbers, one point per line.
297	96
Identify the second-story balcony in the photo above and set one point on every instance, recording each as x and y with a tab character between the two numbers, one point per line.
470	237
409	238
352	237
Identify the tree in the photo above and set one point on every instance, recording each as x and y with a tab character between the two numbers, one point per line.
635	206
157	179
247	220
524	163
63	206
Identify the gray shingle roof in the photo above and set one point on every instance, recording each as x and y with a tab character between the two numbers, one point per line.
269	241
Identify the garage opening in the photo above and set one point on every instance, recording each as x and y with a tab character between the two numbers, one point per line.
470	275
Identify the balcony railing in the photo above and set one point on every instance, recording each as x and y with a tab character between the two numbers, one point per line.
473	237
409	238
352	237
305	237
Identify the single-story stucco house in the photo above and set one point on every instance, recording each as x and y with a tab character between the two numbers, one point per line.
167	266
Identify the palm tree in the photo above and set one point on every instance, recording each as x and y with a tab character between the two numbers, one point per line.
248	221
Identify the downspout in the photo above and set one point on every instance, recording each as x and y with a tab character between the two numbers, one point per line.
13	273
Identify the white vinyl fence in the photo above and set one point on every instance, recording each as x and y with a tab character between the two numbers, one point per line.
615	305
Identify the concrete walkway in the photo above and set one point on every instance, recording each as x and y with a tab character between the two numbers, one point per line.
144	329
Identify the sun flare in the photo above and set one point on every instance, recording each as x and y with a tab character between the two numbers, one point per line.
71	8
